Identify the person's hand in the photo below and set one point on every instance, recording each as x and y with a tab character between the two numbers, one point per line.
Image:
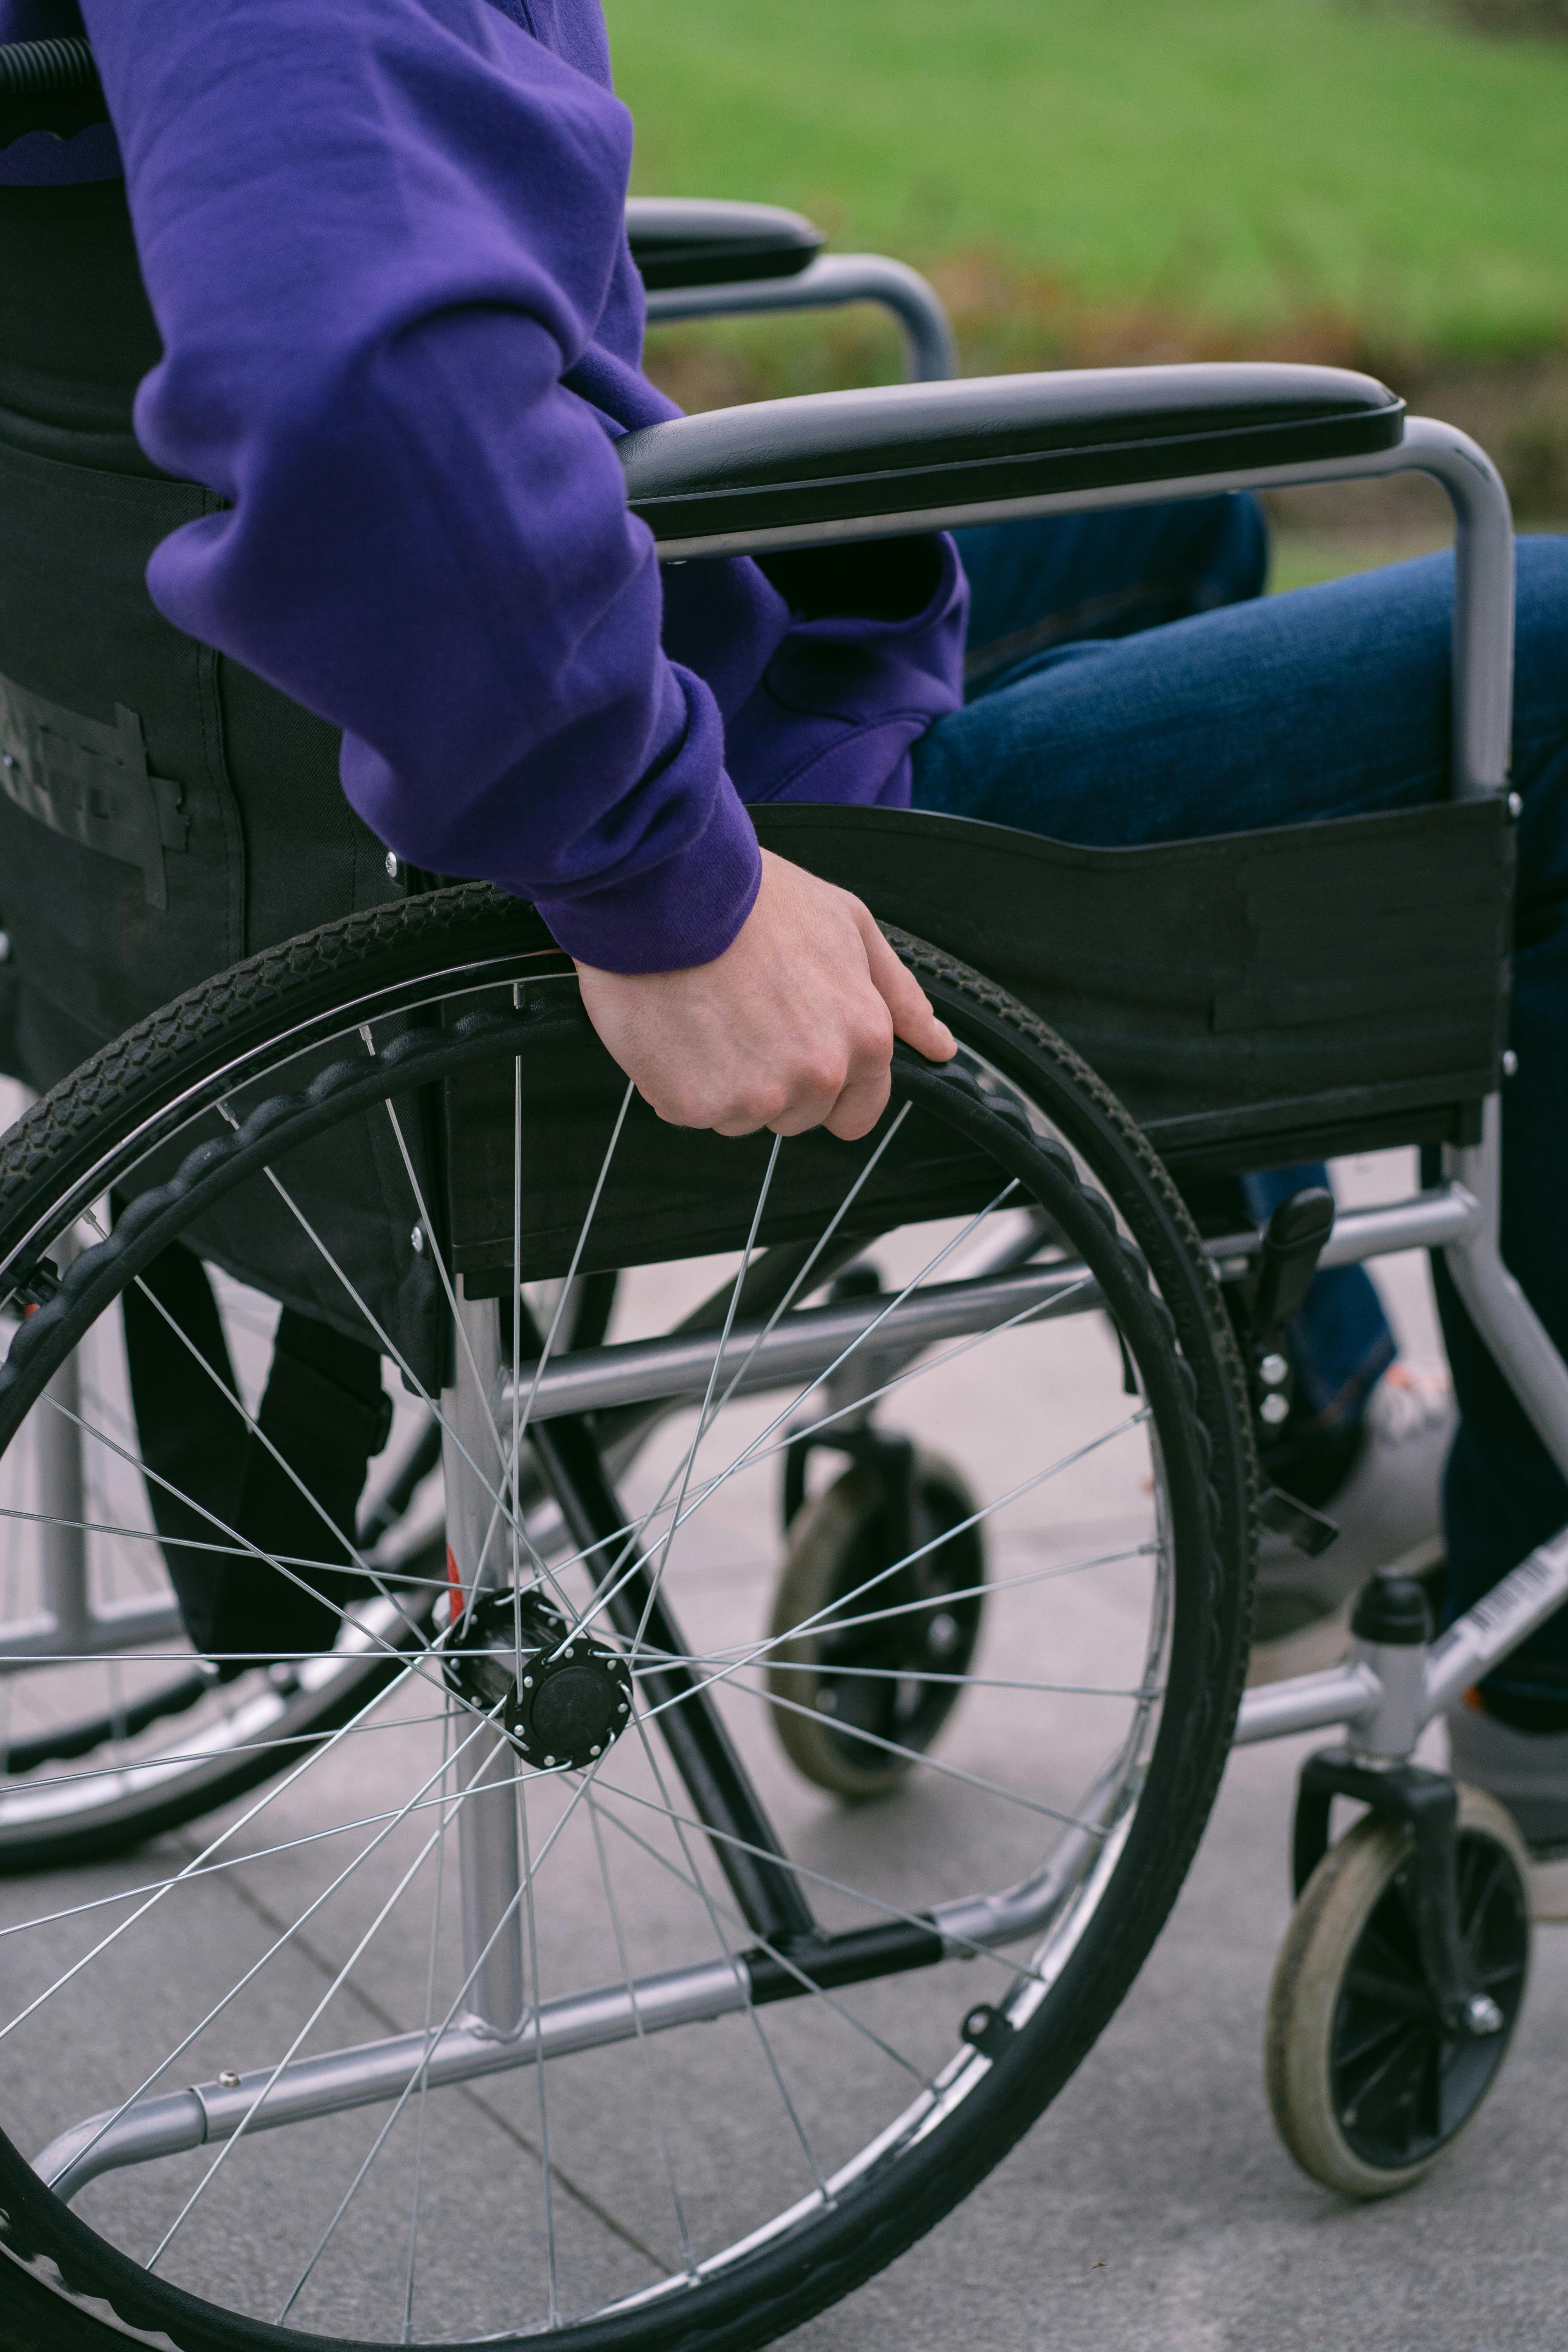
791	1027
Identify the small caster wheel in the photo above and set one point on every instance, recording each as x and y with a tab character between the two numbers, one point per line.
1368	2085
877	1679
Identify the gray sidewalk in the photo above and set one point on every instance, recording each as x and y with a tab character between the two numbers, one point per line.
1152	2209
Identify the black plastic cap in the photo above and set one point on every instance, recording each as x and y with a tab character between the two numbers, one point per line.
1392	1609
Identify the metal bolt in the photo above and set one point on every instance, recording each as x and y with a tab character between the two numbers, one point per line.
416	1241
392	865
1274	1410
1482	2015
1515	805
1274	1371
1510	1063
528	1682
593	1751
977	2021
568	1652
229	2080
624	1708
550	1760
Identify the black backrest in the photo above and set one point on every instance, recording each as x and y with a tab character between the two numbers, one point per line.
162	812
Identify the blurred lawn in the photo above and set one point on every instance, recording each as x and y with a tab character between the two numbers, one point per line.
1302	559
1246	161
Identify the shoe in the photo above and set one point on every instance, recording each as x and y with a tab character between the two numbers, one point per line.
1525	1771
1388	1509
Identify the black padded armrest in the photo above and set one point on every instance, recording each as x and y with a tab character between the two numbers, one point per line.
686	241
49	86
907	453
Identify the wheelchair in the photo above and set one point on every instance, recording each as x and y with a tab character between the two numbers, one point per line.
670	1842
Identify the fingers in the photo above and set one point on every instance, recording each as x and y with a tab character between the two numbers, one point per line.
860	1106
792	1027
914	1019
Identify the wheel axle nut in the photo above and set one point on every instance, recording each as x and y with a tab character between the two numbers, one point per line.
1482	2015
561	1695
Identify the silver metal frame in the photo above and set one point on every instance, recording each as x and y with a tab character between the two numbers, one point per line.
829	283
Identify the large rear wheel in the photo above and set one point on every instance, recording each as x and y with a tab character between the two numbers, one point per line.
543	1993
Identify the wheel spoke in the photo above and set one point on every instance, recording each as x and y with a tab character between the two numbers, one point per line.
342	1975
253	1426
166	1888
905	1755
429	2045
657	1576
791	1965
234	1991
667	2155
247	1549
680	1823
388	1343
826	1614
967	1945
752	1452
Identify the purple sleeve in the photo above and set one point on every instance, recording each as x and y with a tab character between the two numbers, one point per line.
376	234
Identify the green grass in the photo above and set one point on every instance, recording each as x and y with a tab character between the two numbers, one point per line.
1299	559
1250	163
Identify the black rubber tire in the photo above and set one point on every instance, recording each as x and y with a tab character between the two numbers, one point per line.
60	2284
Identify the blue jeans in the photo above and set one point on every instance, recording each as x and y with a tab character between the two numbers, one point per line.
1129	684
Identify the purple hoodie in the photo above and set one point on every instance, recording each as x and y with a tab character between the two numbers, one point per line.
383	243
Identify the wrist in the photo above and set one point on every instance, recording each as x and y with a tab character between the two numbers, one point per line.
685	910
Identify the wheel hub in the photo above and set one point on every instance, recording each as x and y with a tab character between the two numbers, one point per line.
563	1696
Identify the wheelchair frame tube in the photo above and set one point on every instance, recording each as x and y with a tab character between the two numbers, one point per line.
489	1859
761	1356
829	283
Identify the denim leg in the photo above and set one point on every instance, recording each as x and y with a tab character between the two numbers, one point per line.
1329	702
1046	583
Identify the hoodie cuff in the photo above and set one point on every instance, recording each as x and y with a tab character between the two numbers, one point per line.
686	910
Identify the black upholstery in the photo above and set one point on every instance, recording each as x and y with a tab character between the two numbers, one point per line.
686	241
1256	1000
915	449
